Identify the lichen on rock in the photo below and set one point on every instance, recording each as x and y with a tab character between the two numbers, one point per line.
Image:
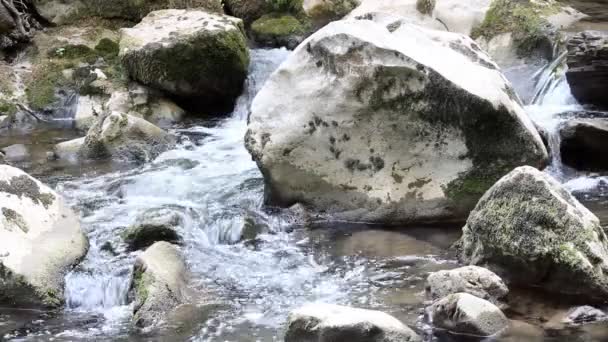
530	230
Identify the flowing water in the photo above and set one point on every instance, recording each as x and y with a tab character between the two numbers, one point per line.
250	286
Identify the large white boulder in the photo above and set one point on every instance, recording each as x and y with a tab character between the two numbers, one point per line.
533	232
40	239
328	323
388	123
188	53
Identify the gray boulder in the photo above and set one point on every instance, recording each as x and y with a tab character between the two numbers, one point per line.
374	125
40	240
328	323
15	153
474	280
584	143
159	284
533	232
190	54
465	314
125	138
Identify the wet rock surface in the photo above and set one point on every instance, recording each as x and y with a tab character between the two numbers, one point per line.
465	314
159	284
583	143
588	67
122	137
326	323
152	226
40	239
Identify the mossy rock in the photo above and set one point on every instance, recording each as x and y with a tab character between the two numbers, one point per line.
278	30
48	75
8	108
330	10
206	63
533	232
526	20
62	12
248	10
107	47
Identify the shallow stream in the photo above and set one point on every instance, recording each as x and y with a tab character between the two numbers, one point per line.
212	182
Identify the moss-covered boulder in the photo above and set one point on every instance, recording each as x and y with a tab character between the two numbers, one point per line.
322	12
519	29
277	30
66	12
40	240
376	125
152	226
122	137
248	10
190	54
159	284
533	232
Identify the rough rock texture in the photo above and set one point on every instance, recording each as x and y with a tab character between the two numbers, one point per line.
584	144
374	125
322	12
64	12
40	239
531	231
587	72
521	29
147	103
459	16
125	138
328	323
159	284
278	30
188	53
465	314
248	10
88	110
152	226
474	280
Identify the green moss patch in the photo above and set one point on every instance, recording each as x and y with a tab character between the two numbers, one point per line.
107	48
276	26
526	20
7	108
47	75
